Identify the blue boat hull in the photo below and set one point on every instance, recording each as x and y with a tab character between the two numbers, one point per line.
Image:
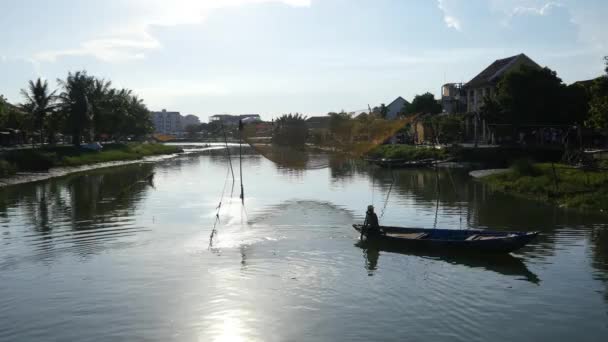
451	239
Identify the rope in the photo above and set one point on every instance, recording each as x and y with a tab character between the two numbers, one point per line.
388	194
459	199
219	207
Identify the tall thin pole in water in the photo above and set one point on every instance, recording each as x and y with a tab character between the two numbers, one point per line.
228	151
241	159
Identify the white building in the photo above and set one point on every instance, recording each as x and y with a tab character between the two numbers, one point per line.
233	120
167	122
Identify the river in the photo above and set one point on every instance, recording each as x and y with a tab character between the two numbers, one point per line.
109	255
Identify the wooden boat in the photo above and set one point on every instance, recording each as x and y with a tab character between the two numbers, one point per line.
451	239
402	163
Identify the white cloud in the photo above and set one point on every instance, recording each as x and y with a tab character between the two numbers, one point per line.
450	20
133	40
541	11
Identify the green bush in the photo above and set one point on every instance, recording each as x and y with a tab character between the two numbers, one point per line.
525	167
32	160
7	168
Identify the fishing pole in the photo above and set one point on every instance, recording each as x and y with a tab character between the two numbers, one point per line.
241	160
228	151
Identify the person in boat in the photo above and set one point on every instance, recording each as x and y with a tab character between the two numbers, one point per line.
371	226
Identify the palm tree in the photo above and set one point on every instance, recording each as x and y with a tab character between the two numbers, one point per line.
100	96
76	103
39	102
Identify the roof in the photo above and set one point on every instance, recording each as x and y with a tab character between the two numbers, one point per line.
398	99
318	118
318	121
492	73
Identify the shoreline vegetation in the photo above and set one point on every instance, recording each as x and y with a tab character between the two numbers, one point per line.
44	158
559	184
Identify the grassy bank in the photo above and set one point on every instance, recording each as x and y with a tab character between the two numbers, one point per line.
406	152
44	158
562	185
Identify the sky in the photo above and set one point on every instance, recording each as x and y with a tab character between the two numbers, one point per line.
270	57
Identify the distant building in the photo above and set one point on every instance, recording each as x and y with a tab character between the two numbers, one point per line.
190	120
396	107
233	120
453	98
167	122
318	122
485	83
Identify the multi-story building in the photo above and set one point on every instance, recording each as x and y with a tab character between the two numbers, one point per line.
485	83
453	98
233	120
167	122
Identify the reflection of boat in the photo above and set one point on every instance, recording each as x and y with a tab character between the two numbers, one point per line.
451	239
505	264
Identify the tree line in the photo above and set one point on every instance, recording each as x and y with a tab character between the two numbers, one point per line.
85	107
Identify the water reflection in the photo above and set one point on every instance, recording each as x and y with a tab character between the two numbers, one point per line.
507	265
108	251
80	213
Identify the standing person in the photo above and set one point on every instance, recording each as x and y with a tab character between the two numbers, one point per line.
371	226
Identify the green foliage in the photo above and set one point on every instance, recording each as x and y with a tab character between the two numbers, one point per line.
117	152
290	130
12	117
525	167
535	96
406	152
32	159
43	159
447	128
575	188
39	102
75	101
7	168
341	127
598	107
93	108
423	104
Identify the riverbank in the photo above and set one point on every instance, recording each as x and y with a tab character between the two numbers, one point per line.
494	157
562	185
406	153
23	162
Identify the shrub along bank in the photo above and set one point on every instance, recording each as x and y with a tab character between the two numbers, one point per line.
43	159
559	184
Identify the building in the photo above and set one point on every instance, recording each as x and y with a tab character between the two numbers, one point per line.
484	84
190	120
318	122
395	107
233	120
167	122
453	98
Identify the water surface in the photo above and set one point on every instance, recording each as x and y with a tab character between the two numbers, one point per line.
113	255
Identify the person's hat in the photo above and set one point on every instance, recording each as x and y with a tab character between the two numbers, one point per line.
370	207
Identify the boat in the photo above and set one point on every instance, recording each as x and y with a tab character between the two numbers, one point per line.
403	163
467	240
